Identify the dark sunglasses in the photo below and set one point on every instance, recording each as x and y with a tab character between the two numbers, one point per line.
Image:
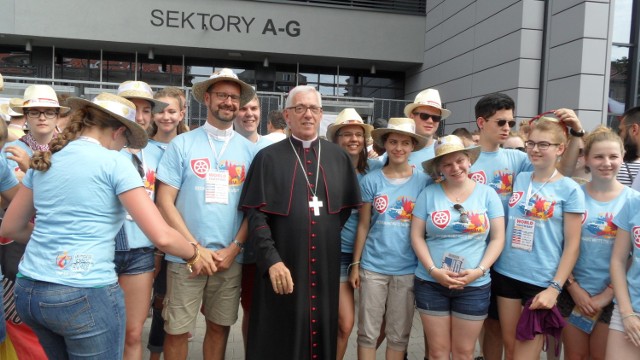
464	217
425	116
501	123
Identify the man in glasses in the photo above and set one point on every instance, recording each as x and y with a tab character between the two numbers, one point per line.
200	178
427	112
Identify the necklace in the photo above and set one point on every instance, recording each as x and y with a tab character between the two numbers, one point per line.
460	195
314	203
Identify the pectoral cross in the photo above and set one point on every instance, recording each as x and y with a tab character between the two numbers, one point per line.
316	205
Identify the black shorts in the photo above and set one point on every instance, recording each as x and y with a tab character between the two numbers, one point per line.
506	287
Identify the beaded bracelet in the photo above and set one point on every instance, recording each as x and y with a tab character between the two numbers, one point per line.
554	284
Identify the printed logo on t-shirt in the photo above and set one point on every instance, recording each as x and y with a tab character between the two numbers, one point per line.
150	182
200	167
441	218
515	197
380	203
237	172
402	210
479	177
602	226
476	223
63	260
539	208
636	236
502	182
585	215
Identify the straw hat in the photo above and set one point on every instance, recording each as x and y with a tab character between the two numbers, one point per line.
1	83
429	97
346	117
447	145
13	105
246	91
402	126
120	109
39	96
140	90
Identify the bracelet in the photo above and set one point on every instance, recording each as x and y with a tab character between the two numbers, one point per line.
353	264
630	315
483	269
194	259
238	244
568	283
554	284
431	269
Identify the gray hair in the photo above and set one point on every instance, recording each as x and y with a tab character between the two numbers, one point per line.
301	89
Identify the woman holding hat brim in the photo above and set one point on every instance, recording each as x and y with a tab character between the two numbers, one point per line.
67	289
350	133
383	261
134	257
458	215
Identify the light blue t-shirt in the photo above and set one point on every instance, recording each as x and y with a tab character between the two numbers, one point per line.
13	166
149	159
160	145
548	204
7	176
388	247
628	219
185	165
348	233
499	169
447	234
262	143
596	243
78	214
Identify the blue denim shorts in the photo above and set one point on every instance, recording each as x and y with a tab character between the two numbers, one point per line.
85	322
345	260
134	261
470	303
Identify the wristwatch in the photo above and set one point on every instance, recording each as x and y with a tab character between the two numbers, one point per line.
576	133
239	245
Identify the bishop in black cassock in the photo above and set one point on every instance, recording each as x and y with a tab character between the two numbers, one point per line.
278	201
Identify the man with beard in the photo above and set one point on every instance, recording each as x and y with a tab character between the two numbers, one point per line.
629	131
201	175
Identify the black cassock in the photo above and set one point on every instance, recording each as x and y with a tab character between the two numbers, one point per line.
275	197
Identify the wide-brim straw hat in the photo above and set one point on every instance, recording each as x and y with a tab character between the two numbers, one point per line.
447	145
346	117
402	126
13	105
428	97
1	83
120	109
40	96
246	91
140	90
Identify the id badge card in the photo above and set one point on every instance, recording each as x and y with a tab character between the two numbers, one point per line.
523	231
452	262
216	189
582	321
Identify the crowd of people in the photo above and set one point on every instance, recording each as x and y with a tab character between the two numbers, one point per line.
514	239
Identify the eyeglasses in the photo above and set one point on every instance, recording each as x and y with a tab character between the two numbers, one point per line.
350	135
464	216
224	96
501	123
302	109
542	145
35	114
425	116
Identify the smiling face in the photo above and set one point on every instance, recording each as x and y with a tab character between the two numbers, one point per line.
604	159
351	138
542	159
425	127
398	148
305	125
248	119
222	109
454	166
168	119
143	112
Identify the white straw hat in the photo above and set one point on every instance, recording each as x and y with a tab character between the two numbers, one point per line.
447	145
428	97
120	109
140	90
40	96
346	117
246	91
402	126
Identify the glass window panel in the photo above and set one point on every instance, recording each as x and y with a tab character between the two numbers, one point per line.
622	21
14	62
619	80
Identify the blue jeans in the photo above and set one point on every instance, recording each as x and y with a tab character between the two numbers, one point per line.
73	323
